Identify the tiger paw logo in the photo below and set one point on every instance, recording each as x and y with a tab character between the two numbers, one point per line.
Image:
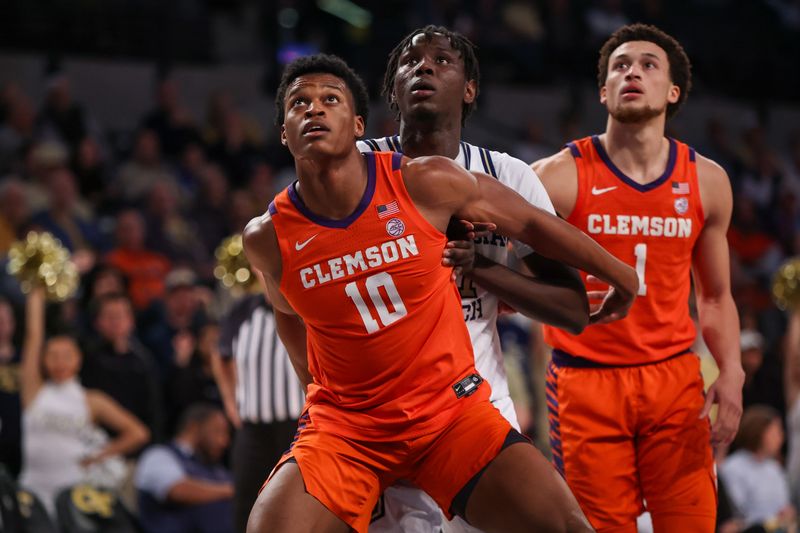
681	205
395	227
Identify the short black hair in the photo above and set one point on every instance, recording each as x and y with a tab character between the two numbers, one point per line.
460	44
680	68
196	413
323	64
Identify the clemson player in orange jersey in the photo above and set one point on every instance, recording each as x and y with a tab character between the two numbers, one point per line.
354	248
629	425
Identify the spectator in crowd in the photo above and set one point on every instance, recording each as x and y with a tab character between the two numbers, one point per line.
261	184
62	443
117	364
89	168
144	269
62	119
210	211
170	120
190	168
14	213
168	231
10	432
762	375
167	322
16	132
262	395
754	250
63	218
192	379
753	476
183	487
143	170
234	151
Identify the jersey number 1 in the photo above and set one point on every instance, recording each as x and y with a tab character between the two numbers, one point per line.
640	251
373	284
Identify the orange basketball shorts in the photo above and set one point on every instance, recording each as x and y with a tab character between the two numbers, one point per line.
349	475
626	438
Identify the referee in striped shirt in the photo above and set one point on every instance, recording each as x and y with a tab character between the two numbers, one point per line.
262	396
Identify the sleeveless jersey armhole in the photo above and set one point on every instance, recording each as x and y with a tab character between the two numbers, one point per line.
581	158
695	183
398	184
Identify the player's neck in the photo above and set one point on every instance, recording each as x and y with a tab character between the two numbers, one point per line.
332	188
420	140
639	150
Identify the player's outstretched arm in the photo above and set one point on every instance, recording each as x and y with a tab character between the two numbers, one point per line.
554	294
263	252
719	321
440	188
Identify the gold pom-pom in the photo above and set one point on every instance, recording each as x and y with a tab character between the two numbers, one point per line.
41	259
786	285
233	269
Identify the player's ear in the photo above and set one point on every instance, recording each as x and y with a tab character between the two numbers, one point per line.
393	98
603	95
360	127
283	134
470	91
674	94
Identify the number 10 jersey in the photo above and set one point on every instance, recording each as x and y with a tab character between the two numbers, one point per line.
386	336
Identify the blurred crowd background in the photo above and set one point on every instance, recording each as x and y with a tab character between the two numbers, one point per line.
140	134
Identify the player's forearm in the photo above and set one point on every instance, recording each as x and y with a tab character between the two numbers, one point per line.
554	238
719	325
557	304
292	332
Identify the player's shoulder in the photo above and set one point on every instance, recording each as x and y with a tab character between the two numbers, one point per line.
561	165
260	240
709	171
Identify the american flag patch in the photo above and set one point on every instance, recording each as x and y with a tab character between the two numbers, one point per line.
387	210
680	187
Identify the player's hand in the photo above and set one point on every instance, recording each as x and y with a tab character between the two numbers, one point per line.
459	252
607	305
726	391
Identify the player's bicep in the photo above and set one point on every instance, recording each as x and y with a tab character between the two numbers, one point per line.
494	202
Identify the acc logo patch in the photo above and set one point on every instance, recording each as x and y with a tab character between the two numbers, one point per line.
395	227
681	205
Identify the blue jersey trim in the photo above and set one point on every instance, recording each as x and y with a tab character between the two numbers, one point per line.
673	151
366	199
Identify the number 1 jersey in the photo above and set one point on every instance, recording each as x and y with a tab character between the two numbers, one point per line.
651	227
387	344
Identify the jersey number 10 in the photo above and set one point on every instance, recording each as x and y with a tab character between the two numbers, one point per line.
373	285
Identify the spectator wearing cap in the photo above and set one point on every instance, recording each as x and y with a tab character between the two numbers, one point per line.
183	486
144	268
175	320
119	365
762	381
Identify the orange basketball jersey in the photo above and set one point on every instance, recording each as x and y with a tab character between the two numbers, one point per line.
651	227
387	344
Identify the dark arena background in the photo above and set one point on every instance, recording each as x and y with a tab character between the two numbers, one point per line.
140	134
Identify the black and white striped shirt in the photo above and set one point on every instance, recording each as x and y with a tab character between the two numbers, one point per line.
267	388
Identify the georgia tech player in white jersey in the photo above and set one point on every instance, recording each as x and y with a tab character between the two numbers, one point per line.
432	81
481	306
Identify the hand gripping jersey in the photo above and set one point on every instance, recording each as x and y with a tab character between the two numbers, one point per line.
386	343
651	227
479	305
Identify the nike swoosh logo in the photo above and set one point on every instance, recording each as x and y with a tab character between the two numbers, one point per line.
300	245
597	192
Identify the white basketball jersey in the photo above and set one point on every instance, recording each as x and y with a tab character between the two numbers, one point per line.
480	306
